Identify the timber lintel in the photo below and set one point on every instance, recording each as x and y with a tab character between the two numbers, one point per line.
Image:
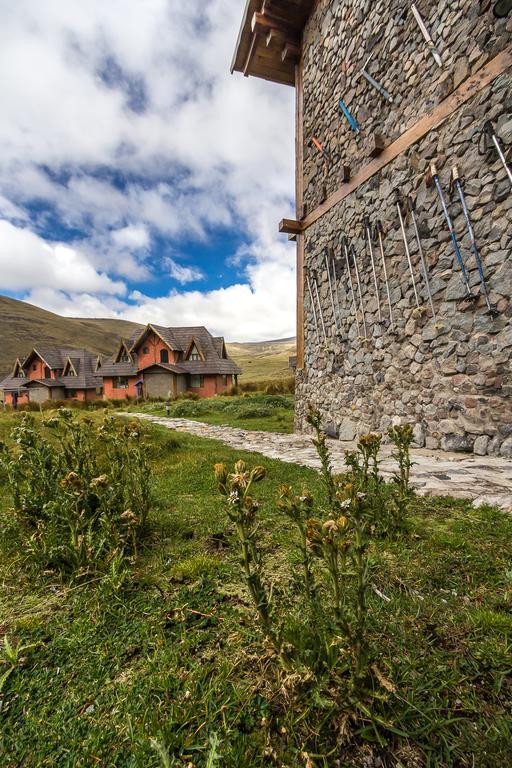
290	226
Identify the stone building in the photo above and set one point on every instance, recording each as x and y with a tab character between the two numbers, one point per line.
369	352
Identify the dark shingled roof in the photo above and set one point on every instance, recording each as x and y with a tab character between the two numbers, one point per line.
83	361
46	383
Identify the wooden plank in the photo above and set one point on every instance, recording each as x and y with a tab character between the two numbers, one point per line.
299	208
263	24
290	226
432	119
290	52
250	54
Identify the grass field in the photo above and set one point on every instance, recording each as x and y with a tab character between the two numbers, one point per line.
171	670
263	361
269	413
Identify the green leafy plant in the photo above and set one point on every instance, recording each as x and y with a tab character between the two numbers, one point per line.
80	492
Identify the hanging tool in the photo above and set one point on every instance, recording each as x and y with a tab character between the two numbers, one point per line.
325	153
424	31
308	283
410	205
335	281
380	233
315	285
435	177
351	119
326	257
456	180
366	225
358	280
378	87
351	284
486	133
407	252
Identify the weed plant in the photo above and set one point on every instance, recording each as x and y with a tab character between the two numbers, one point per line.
80	492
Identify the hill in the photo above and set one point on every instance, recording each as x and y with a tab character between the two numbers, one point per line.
22	325
263	360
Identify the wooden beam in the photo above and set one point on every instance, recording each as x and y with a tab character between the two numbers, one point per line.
432	119
299	208
290	226
261	24
248	60
290	51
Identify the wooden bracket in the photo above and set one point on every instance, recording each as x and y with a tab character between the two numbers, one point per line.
290	226
345	173
377	145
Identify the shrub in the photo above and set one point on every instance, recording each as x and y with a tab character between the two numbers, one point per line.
80	492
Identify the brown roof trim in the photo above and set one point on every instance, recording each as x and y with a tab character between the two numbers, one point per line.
149	327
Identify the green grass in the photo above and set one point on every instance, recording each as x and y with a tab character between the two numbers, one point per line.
263	361
171	670
268	413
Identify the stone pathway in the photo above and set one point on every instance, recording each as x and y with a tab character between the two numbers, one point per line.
483	479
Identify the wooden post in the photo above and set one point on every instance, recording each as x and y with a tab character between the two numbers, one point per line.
299	205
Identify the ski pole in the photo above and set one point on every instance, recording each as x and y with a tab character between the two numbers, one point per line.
378	227
422	256
487	132
351	119
378	87
474	247
366	225
358	281
435	177
308	282
351	284
407	252
326	257
315	284
424	31
325	153
335	282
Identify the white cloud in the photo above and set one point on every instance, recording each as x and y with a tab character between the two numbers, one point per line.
99	92
183	274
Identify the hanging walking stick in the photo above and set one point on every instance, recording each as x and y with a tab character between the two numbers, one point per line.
488	134
335	282
380	233
422	256
474	247
407	252
424	31
315	285
378	87
324	152
366	225
351	284
326	257
308	282
351	119
435	177
358	281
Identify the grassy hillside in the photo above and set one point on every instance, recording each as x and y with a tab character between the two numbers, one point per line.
263	360
23	325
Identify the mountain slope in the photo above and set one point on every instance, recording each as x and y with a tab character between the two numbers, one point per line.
263	360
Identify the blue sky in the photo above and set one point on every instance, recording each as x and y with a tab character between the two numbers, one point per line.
138	178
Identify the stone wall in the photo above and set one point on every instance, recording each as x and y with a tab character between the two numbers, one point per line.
449	376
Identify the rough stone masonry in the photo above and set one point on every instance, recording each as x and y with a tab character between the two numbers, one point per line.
450	377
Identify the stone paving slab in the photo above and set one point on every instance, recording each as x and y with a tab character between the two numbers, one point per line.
483	479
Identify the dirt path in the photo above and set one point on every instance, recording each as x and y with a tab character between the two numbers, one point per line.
483	479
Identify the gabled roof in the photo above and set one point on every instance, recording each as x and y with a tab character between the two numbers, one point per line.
50	383
172	367
269	40
51	356
83	362
164	333
123	345
194	344
71	364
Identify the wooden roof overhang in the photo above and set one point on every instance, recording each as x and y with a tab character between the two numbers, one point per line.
269	41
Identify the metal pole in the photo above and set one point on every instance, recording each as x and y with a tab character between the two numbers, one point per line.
366	224
351	119
315	284
433	173
331	291
354	302
407	252
474	246
378	87
358	281
381	246
313	307
488	130
422	256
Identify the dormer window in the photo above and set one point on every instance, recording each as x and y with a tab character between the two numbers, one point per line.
21	373
125	358
194	353
164	356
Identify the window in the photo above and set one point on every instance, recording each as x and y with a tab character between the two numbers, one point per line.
71	393
125	358
196	381
164	356
47	372
120	382
194	354
21	373
34	367
225	380
145	350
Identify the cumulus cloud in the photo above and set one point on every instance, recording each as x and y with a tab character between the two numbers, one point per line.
123	120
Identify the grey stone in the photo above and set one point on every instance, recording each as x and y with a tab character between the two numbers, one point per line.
419	435
506	448
347	430
480	445
457	443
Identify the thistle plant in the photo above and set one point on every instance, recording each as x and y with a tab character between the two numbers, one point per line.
298	510
241	510
319	441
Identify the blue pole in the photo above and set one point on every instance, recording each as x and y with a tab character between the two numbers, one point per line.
351	120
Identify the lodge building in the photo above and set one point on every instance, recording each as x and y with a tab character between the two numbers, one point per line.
155	362
402	315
